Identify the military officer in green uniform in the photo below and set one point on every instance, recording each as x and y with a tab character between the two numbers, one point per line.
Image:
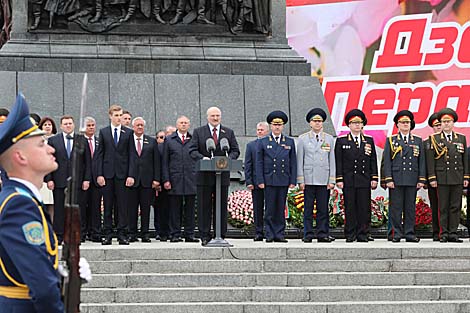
404	171
448	172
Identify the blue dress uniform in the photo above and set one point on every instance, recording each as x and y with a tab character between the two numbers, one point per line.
356	167
404	165
29	282
276	168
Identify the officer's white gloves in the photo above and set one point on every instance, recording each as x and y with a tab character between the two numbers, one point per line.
84	270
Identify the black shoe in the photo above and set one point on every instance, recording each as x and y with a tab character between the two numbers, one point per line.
107	242
204	20
307	240
444	239
362	240
414	239
332	238
269	240
350	239
455	239
176	239
133	239
435	238
146	239
157	237
258	238
95	239
396	239
191	239
389	238
204	242
369	238
123	242
324	239
163	238
283	240
82	239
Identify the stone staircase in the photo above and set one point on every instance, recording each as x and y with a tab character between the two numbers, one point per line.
295	277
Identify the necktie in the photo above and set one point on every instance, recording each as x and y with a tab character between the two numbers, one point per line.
139	147
316	137
69	145
356	141
182	138
449	138
277	139
405	139
90	144
115	136
214	135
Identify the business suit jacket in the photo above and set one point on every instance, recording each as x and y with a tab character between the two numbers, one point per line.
404	164
113	161
178	165
197	149
145	168
64	169
316	159
276	164
250	163
356	167
447	162
92	170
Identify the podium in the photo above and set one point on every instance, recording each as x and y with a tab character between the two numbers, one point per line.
218	165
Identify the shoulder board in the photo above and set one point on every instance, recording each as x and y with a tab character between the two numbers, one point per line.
416	136
367	136
303	135
343	136
23	192
459	134
394	135
436	134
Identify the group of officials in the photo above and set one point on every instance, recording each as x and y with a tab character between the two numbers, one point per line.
440	164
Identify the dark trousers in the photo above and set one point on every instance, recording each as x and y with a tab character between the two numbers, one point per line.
357	212
59	212
321	194
115	201
450	203
162	214
403	203
182	205
90	210
258	210
139	197
206	210
274	217
432	193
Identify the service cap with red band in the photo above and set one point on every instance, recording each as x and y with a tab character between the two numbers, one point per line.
434	120
447	114
316	114
355	116
405	116
277	118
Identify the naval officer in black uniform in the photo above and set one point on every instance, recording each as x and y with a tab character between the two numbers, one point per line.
356	174
276	171
405	170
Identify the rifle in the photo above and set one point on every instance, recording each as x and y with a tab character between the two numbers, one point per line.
72	282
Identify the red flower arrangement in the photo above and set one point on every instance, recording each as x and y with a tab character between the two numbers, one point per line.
423	214
240	209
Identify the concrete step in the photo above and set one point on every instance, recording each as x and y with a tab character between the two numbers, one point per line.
146	280
276	294
281	307
292	266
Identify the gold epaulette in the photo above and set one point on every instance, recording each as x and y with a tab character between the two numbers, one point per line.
304	134
393	149
440	151
343	136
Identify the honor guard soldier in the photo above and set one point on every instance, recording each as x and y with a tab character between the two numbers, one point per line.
276	171
448	172
404	171
316	174
356	174
435	124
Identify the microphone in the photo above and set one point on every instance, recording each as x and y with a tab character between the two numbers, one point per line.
210	146
224	145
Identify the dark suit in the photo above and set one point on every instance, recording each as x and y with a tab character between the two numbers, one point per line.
179	170
432	194
257	194
91	200
113	163
145	170
356	168
276	168
206	180
404	165
447	163
60	176
161	205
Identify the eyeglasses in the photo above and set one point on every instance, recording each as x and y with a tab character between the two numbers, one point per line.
160	137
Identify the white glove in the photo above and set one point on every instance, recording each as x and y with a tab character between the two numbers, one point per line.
84	270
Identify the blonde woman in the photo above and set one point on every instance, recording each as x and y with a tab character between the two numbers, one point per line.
47	124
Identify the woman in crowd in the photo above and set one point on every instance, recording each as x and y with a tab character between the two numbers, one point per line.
47	124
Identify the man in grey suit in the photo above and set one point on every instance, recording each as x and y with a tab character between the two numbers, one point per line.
316	172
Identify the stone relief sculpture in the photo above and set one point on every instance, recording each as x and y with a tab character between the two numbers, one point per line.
153	16
5	21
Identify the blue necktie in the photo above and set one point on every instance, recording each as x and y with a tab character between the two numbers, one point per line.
115	136
69	146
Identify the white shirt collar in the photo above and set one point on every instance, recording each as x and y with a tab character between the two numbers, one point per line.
118	128
135	137
31	187
65	135
212	127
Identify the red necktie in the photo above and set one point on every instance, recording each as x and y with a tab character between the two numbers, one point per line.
214	135
90	144
139	147
182	139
